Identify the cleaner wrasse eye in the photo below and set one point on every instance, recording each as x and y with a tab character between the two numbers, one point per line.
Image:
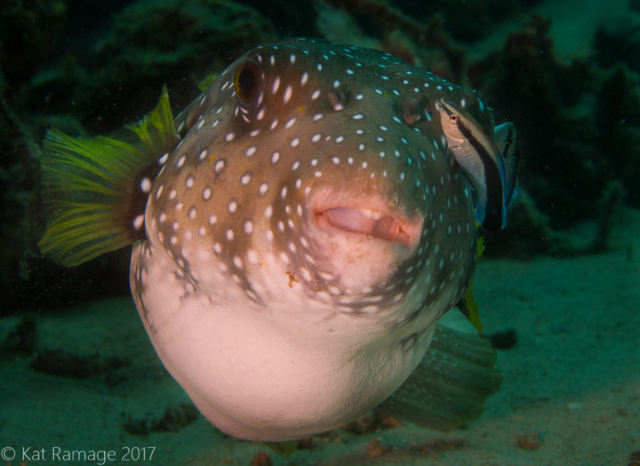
298	231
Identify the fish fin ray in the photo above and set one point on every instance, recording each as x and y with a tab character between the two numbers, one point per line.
469	308
505	139
442	395
91	185
511	192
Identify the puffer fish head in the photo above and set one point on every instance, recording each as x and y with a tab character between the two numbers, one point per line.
316	174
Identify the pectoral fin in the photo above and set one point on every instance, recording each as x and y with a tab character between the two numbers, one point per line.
451	384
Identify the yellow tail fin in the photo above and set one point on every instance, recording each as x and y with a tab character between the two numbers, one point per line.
92	186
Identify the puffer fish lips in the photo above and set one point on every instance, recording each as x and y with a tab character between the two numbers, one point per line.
325	166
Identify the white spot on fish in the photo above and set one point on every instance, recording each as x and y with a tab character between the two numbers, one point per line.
237	262
145	185
138	222
233	207
287	94
219	166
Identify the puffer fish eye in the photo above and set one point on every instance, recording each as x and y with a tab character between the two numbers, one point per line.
246	82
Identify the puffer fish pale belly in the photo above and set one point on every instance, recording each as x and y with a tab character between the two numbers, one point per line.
304	236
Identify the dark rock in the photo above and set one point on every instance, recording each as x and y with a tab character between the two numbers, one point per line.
173	419
64	364
506	339
618	41
22	340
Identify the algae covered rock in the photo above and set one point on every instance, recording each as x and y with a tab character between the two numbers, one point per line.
577	128
618	41
28	32
173	42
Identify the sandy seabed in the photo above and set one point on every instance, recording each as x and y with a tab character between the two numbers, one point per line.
571	392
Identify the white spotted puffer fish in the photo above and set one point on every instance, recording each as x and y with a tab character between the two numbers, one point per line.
298	231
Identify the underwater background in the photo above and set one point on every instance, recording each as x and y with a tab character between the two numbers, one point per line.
558	289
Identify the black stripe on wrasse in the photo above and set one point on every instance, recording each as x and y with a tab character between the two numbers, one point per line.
493	181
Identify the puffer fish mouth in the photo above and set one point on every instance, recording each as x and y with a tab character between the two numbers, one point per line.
367	222
370	217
